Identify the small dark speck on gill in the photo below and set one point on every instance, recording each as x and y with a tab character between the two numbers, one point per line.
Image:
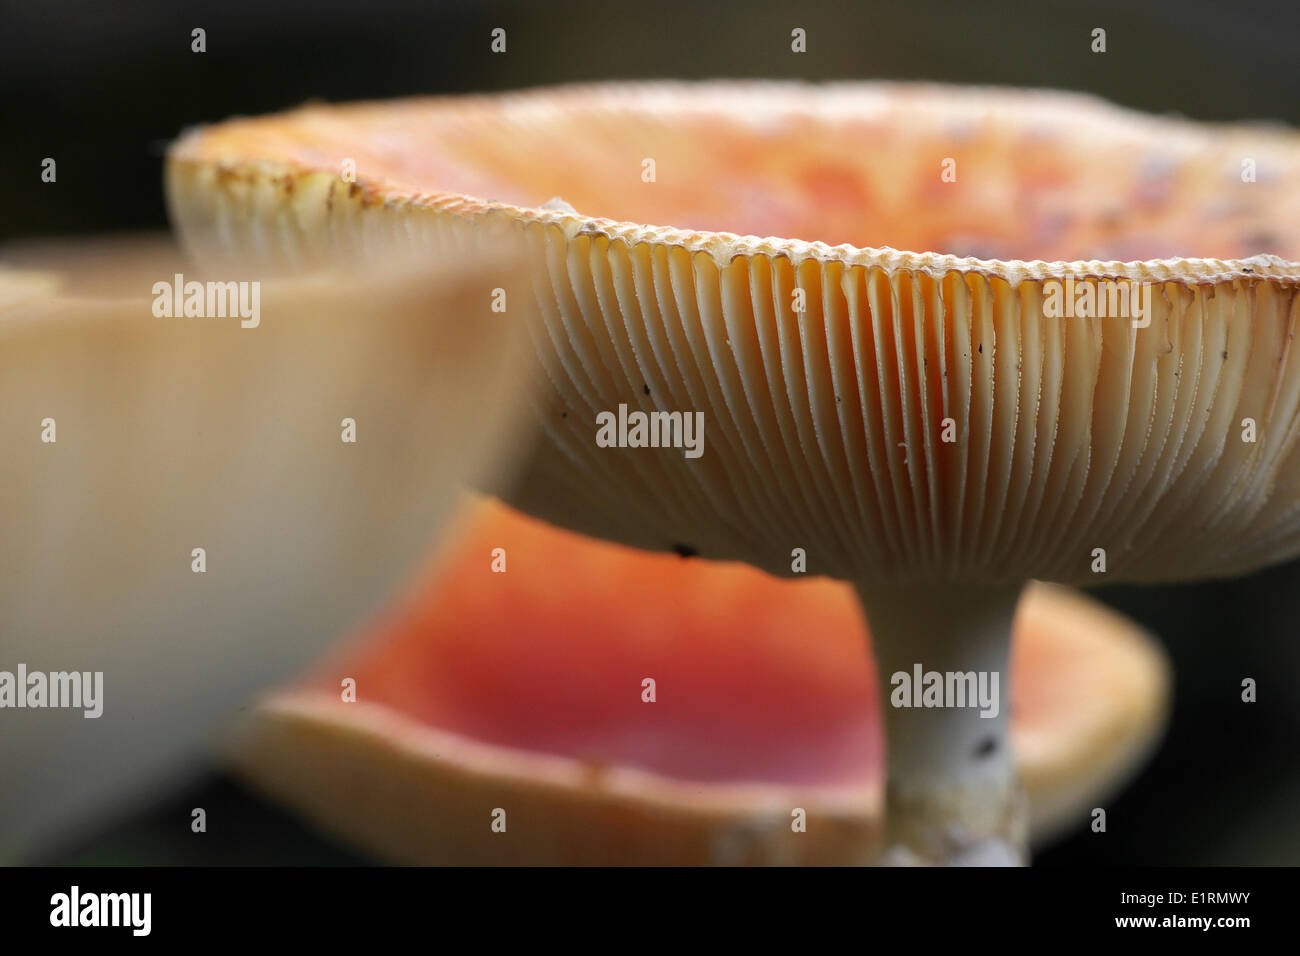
647	389
685	550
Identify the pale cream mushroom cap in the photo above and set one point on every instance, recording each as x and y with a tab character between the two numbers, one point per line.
177	433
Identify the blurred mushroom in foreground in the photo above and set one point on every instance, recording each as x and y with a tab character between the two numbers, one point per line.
935	430
196	498
621	707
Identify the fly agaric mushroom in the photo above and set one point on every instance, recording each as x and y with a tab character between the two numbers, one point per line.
934	429
185	514
520	679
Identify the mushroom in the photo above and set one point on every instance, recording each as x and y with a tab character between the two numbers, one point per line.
516	680
936	430
185	514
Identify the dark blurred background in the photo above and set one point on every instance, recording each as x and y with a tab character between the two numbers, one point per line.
103	86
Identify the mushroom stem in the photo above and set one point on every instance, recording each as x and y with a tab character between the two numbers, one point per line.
942	653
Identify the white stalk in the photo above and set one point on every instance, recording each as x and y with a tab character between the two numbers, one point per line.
951	795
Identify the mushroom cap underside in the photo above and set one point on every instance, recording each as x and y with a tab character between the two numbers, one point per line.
1126	390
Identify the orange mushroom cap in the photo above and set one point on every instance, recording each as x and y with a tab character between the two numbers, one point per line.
524	690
